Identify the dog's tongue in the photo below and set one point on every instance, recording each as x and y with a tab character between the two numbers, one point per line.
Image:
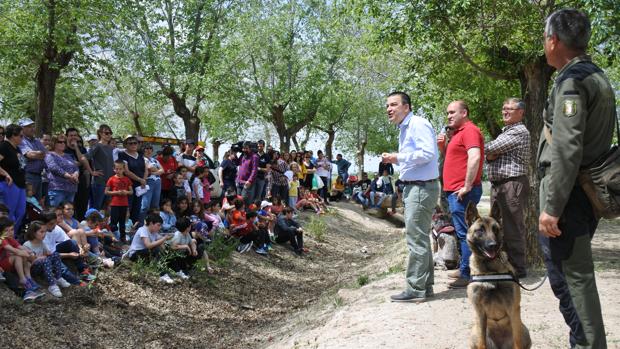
490	254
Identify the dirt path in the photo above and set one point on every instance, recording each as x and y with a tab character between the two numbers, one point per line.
365	318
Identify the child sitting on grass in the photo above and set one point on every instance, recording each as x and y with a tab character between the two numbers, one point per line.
16	258
46	263
56	240
146	243
190	251
65	220
168	217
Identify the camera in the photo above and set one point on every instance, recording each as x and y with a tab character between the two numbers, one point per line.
238	147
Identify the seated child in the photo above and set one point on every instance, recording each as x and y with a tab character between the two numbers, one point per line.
16	258
190	251
178	189
306	201
287	230
168	217
146	243
65	220
46	263
56	240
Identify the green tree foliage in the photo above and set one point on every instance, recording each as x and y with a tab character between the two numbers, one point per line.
38	41
283	59
175	44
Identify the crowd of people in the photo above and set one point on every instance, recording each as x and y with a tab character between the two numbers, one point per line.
63	202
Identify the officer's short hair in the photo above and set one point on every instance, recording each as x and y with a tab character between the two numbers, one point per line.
403	97
518	101
572	27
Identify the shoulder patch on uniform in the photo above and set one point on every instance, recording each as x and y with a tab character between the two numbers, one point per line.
571	93
570	108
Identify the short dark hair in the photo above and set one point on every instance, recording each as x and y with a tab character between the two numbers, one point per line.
119	162
153	218
572	27
94	217
12	130
403	97
71	129
48	216
287	210
183	223
5	222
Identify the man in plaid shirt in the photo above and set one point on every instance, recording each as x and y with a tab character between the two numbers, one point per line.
507	162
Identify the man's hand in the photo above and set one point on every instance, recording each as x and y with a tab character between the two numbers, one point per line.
491	157
389	158
460	194
548	225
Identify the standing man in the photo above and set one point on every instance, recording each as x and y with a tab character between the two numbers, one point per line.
343	168
246	175
462	173
77	151
508	158
417	156
264	161
578	128
34	153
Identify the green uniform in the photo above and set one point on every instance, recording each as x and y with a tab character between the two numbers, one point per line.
580	116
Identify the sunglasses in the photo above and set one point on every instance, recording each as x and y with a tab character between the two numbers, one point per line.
132	143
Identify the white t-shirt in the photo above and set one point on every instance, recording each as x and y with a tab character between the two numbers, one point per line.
181	239
54	237
137	243
197	193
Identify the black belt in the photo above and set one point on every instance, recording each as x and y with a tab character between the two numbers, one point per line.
506	180
421	183
34	173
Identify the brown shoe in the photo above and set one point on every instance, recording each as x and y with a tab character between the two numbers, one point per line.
455	274
458	283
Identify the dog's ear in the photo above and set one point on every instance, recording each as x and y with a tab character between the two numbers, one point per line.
496	212
471	213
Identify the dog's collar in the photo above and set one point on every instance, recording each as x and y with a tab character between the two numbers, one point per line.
492	277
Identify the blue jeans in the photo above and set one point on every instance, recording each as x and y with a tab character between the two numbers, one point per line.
261	189
97	196
58	196
35	180
14	198
457	209
152	197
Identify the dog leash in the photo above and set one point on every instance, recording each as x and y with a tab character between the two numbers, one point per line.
505	277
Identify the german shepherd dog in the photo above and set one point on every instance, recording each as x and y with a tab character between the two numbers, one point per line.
497	303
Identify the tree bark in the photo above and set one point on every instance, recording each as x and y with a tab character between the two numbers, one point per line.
135	116
534	79
359	157
216	149
46	93
191	122
329	145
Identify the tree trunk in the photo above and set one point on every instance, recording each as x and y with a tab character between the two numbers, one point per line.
191	122
216	149
135	116
331	136
359	158
46	92
534	80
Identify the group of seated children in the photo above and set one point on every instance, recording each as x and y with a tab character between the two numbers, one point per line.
185	229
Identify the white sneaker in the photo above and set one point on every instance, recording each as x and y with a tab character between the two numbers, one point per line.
166	279
182	275
107	262
55	291
62	283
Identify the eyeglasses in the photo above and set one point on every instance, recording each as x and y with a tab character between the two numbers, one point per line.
132	143
60	141
509	109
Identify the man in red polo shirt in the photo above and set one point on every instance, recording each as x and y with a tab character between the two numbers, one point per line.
462	172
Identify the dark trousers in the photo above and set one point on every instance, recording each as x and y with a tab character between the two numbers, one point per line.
323	191
118	216
186	261
69	246
511	195
569	263
281	191
295	238
258	237
81	196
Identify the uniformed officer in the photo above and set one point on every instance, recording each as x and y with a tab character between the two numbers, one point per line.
579	123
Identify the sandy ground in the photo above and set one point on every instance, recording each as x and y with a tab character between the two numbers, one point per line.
365	318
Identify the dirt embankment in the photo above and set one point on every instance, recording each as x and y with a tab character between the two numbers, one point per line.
241	306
